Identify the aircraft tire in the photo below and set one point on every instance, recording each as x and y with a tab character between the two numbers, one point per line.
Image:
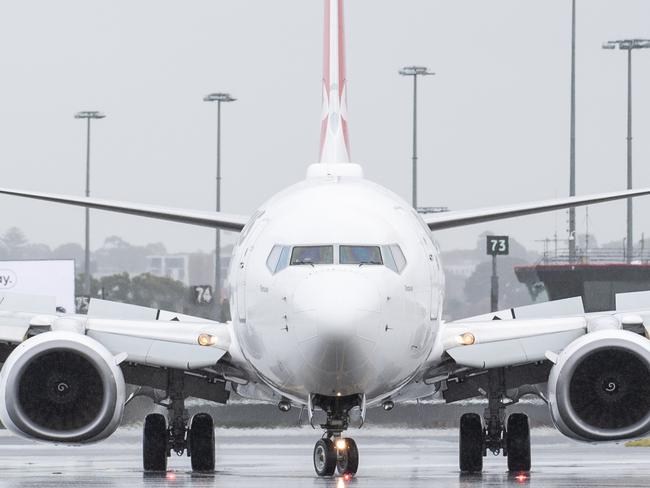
201	443
471	443
324	457
518	443
347	461
154	443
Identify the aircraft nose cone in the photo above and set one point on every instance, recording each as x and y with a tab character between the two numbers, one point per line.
339	304
337	319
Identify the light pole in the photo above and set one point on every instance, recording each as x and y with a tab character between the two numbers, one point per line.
572	157
88	115
415	71
219	98
629	45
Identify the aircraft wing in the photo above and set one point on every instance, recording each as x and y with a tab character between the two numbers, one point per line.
460	218
494	343
535	332
146	343
217	220
138	337
528	346
96	365
163	343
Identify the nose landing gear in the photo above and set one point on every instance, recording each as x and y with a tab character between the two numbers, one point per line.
341	455
347	458
325	457
334	452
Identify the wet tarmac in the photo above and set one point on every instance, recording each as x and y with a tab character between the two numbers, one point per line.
282	458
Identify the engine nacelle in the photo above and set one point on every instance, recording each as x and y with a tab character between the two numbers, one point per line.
599	389
62	387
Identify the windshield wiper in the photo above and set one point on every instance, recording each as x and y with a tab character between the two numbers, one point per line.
369	262
302	263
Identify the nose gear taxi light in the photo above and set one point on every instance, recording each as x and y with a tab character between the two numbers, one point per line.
341	444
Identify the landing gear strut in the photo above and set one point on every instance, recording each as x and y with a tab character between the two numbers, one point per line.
159	439
334	452
494	435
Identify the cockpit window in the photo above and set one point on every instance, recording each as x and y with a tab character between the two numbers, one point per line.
274	257
398	255
278	259
281	256
394	258
360	255
312	255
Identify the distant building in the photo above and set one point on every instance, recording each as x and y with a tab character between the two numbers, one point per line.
174	266
461	269
190	269
461	262
596	274
201	268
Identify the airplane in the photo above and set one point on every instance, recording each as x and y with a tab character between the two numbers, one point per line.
336	293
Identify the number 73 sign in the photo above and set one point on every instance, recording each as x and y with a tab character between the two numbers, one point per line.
498	245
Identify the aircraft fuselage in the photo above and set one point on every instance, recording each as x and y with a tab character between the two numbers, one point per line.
321	301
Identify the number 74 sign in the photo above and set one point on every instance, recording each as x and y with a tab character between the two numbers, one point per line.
202	294
498	245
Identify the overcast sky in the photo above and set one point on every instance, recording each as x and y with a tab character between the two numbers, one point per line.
494	121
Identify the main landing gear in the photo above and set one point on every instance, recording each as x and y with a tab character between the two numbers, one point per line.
494	434
334	452
160	439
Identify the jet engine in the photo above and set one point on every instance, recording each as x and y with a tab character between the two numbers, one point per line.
599	388
62	387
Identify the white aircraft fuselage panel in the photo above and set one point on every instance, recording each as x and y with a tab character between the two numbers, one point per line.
336	329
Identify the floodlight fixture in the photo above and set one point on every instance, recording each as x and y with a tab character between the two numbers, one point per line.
415	72
89	114
629	45
219	97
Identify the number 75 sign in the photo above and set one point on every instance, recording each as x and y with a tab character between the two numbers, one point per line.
498	245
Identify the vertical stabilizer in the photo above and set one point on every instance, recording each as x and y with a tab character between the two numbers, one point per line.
335	141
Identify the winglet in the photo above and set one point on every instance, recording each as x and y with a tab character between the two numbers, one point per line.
335	141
